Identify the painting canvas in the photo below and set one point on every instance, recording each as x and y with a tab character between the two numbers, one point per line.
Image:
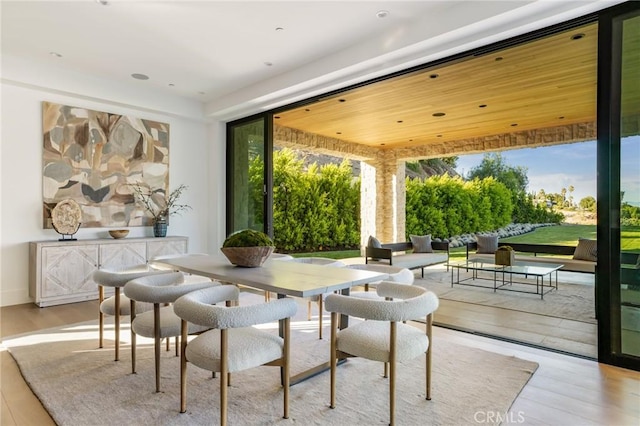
92	157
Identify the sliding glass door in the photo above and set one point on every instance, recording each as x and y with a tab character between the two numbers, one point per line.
618	276
248	174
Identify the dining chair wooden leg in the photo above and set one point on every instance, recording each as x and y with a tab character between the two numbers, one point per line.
309	310
287	350
158	342
320	307
117	321
100	316
392	373
334	330
183	367
429	353
177	344
133	337
386	370
224	377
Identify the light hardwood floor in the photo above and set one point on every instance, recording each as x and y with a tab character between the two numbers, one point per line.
565	390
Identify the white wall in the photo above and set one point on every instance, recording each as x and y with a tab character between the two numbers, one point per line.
196	159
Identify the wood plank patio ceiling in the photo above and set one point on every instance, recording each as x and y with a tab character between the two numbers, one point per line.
547	83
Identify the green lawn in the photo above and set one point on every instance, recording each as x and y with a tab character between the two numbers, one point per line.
630	238
561	235
330	254
567	235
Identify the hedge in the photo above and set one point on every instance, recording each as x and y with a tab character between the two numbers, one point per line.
444	206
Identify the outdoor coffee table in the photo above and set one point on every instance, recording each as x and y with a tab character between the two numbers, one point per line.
502	275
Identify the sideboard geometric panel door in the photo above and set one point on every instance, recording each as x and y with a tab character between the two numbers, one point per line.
164	247
117	256
62	271
68	271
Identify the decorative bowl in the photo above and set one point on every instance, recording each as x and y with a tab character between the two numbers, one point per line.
119	233
248	257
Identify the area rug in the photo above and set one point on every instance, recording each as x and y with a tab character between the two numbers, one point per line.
81	385
569	301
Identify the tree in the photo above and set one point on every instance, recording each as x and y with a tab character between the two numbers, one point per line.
494	165
571	189
588	203
514	178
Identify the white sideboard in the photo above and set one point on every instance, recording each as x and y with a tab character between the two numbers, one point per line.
61	271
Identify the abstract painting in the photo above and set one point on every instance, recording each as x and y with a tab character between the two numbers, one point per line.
92	157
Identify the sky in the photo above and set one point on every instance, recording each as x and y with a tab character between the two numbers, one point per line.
555	167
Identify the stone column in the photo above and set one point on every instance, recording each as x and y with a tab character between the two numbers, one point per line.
368	202
382	210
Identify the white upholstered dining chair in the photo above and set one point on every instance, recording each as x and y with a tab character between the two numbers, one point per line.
232	344
383	336
324	261
395	274
118	305
161	322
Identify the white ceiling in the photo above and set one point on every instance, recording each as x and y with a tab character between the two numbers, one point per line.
215	52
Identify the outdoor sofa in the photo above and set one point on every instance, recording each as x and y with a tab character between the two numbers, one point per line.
537	253
404	254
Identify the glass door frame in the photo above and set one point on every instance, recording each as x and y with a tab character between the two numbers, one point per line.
608	308
267	121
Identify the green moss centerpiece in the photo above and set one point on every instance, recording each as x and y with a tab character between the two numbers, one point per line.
248	248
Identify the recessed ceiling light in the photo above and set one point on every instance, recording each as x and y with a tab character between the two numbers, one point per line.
307	109
103	2
171	84
399	121
338	133
342	100
268	64
56	54
439	136
434	76
439	114
561	117
140	76
499	58
382	14
514	124
577	36
201	93
382	144
482	106
279	29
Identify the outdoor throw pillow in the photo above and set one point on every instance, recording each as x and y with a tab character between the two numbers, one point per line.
421	243
373	242
487	243
586	250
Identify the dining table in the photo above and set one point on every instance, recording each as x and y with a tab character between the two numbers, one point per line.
286	279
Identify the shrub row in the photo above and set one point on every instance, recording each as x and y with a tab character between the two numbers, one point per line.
316	209
319	208
443	206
